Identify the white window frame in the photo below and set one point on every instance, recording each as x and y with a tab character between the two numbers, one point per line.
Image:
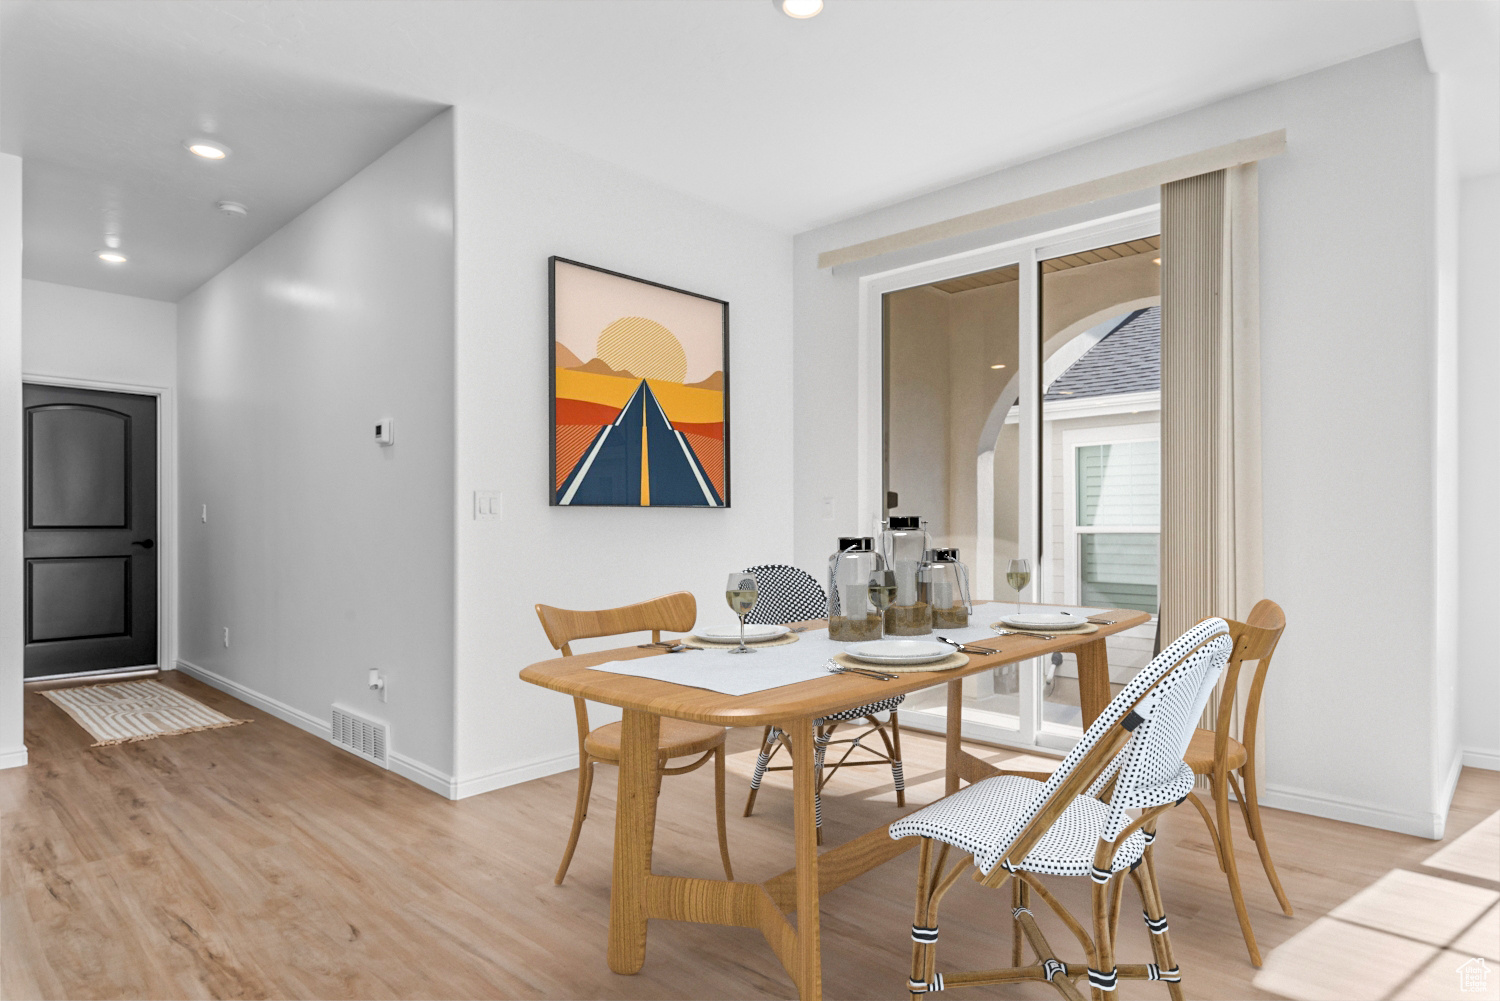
1072	442
1027	733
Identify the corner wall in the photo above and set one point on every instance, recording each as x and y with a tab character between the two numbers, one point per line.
521	199
323	553
12	600
1479	470
1350	354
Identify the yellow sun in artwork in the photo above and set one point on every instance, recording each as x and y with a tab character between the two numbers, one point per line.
644	348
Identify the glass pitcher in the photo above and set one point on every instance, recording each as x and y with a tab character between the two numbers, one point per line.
851	617
943	586
903	543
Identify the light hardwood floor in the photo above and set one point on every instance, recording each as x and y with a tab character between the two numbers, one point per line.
259	861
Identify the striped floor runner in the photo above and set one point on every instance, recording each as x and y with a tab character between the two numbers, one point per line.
135	710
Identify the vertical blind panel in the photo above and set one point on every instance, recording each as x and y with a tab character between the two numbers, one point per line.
1193	235
1119	485
1119	570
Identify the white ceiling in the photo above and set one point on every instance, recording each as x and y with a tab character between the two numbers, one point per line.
791	123
100	118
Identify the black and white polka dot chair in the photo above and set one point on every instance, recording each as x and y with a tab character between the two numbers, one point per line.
1075	824
788	594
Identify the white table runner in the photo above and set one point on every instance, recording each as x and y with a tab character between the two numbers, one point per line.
772	667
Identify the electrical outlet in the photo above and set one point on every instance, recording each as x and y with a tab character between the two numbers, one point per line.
226	637
377	683
205	514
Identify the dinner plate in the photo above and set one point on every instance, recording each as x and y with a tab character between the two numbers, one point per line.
1046	620
753	633
898	651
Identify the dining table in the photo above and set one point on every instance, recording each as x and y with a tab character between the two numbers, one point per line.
638	895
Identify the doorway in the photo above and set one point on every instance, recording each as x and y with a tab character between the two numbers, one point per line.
90	532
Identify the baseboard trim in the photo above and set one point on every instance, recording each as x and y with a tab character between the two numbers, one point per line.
282	711
16	757
1474	758
1422	825
423	775
408	768
474	785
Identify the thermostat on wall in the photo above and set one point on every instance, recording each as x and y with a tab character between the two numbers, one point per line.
385	432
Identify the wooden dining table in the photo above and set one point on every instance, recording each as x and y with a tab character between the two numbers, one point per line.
638	895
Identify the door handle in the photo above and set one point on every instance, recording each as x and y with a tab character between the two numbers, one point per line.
144	543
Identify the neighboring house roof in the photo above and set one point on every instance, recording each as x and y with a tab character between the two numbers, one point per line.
1126	360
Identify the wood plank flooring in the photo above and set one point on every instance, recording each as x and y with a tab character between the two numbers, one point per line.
261	862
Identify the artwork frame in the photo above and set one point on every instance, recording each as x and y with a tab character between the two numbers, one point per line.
657	361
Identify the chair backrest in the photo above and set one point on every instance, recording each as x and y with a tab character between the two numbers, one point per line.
787	594
1155	713
671	612
1255	639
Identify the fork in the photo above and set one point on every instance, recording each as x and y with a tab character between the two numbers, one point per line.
1023	632
1101	622
833	667
968	647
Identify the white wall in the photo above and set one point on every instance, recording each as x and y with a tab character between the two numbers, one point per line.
1479	470
1349	338
12	601
325	554
521	199
78	333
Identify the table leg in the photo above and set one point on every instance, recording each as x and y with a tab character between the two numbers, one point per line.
809	971
955	725
1093	679
635	827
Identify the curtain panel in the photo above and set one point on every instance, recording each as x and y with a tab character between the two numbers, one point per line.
1211	550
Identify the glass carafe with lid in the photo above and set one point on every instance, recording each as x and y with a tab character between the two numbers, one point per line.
903	543
851	617
943	586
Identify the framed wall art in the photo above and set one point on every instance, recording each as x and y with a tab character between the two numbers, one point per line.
640	392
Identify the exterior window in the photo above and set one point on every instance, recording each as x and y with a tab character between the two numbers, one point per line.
1118	509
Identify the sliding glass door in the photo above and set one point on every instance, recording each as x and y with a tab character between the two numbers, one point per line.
1021	404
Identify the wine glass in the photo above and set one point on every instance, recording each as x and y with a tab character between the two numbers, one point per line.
1018	575
741	592
882	593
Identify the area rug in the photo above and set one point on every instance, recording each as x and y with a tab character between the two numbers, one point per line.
135	710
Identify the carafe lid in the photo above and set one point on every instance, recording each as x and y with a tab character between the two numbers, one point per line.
941	556
856	544
905	523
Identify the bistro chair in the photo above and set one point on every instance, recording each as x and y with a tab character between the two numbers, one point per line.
788	594
1229	764
1075	824
673	613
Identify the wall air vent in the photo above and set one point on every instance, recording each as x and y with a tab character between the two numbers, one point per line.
364	736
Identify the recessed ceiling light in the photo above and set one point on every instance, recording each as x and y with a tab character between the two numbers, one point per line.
800	9
207	149
234	209
111	257
997	366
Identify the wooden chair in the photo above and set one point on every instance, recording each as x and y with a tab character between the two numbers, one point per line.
1227	763
1015	829
673	613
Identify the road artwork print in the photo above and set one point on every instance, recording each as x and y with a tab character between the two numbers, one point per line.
640	405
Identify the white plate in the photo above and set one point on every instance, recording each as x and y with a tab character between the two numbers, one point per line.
899	651
1046	620
755	634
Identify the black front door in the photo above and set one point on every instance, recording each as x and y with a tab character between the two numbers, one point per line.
90	542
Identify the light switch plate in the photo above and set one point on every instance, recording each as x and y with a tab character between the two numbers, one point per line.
488	505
